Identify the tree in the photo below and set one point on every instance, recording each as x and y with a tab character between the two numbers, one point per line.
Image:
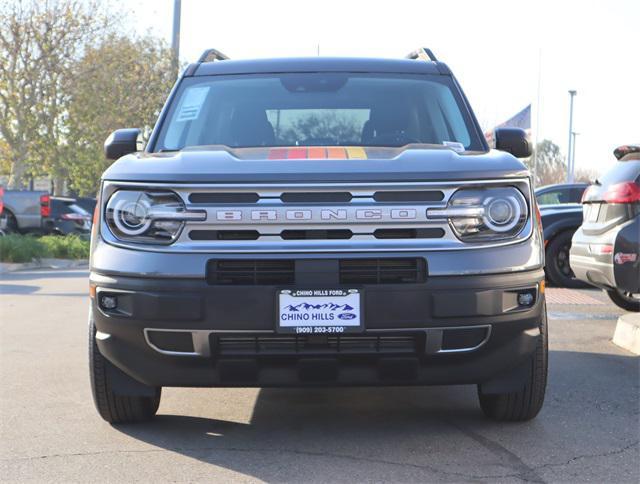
66	80
550	165
39	45
121	83
329	127
586	175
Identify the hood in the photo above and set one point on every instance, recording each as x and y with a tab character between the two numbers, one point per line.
319	164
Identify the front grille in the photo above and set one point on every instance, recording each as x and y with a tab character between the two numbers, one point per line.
328	218
317	345
314	217
318	197
383	271
337	234
429	233
253	272
317	234
409	196
224	235
224	197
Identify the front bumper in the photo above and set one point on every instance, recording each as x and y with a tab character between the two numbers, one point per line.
447	330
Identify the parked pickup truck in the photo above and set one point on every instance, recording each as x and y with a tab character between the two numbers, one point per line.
24	211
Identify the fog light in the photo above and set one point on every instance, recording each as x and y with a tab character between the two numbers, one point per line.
108	302
525	299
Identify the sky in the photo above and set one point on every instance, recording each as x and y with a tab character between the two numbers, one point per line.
505	54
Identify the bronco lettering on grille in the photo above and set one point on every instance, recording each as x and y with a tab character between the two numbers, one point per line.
326	215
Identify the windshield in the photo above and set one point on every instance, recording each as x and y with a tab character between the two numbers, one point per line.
317	109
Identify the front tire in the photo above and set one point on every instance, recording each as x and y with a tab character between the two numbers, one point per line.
112	407
625	300
525	403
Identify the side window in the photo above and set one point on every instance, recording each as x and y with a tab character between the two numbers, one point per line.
564	195
549	198
576	194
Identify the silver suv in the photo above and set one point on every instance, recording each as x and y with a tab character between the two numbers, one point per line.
317	222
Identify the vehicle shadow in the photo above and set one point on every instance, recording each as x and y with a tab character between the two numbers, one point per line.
409	433
295	429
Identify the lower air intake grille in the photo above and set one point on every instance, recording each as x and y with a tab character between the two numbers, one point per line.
296	345
273	272
254	272
383	271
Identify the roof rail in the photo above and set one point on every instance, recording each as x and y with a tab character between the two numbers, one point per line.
210	55
423	54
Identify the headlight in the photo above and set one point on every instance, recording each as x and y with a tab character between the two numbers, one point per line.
153	217
486	214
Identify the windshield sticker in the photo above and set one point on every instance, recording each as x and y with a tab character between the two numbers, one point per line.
454	145
192	103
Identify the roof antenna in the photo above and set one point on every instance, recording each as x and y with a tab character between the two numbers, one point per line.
318	49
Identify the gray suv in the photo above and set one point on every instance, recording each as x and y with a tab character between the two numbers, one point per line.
317	222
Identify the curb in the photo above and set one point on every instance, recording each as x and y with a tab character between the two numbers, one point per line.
627	334
43	264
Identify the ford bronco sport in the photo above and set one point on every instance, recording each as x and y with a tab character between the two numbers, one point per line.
317	222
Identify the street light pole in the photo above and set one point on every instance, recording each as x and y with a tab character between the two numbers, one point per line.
573	154
570	149
175	35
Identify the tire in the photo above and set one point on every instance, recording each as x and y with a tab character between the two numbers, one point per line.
625	300
557	261
11	225
524	404
112	407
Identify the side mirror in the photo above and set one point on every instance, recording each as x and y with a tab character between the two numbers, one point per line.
121	142
514	141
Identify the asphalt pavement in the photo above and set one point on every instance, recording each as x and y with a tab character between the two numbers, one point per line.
588	430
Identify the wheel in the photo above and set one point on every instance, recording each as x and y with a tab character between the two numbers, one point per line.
557	261
625	300
526	403
10	223
112	407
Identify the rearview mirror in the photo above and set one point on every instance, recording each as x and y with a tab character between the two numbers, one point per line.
121	142
514	141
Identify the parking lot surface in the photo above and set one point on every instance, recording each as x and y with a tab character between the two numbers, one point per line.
588	430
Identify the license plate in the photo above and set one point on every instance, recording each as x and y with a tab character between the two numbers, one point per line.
319	311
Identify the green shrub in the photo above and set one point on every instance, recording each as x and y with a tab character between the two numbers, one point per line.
21	248
68	247
26	248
